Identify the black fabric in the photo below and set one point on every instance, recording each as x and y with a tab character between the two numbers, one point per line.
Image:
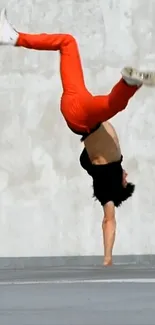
107	180
96	169
85	162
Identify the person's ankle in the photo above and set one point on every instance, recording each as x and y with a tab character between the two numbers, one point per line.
132	83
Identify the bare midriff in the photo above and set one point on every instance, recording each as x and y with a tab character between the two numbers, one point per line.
103	145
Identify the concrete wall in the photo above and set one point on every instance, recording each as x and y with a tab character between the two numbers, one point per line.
46	207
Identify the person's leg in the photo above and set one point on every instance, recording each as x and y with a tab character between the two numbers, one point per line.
70	62
103	108
74	89
81	110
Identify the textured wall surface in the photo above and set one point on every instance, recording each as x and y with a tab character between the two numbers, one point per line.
45	197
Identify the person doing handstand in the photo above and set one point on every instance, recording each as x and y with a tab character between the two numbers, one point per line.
87	115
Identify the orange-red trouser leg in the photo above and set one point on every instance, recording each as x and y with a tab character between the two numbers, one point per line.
81	110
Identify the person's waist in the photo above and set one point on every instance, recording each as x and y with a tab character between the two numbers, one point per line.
100	160
84	131
78	129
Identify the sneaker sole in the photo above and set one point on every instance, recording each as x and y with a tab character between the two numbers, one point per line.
145	77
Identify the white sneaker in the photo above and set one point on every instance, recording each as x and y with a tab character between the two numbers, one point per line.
136	77
8	35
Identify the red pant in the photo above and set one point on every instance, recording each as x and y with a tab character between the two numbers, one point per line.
81	110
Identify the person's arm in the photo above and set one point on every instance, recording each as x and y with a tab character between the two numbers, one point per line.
109	229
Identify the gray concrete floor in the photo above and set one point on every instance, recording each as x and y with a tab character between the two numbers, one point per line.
121	295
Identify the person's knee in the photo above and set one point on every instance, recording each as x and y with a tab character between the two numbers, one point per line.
70	38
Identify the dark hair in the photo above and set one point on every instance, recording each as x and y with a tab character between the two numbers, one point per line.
118	194
107	181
